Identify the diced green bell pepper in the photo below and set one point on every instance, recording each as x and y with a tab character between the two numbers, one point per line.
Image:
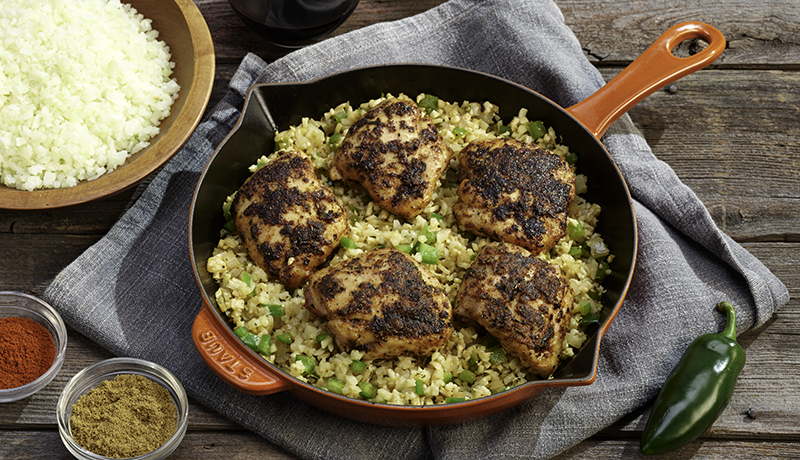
285	338
335	385
467	376
367	390
308	363
536	129
358	366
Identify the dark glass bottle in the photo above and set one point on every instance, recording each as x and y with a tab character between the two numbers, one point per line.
294	23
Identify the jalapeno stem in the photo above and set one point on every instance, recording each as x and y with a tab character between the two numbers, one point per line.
730	326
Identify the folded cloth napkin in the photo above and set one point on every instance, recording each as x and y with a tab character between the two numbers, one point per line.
134	293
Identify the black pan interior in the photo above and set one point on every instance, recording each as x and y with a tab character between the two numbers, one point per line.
277	106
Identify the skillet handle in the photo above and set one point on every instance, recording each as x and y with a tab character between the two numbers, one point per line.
653	69
227	357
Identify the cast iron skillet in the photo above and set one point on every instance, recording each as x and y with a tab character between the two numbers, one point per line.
271	107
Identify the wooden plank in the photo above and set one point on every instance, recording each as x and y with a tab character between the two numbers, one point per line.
233	39
596	449
87	219
35	445
224	445
743	164
93	218
36	258
760	34
767	382
765	402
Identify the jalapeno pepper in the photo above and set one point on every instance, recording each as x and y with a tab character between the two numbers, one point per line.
697	391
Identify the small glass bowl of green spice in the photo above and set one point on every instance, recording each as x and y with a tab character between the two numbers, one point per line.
123	408
33	342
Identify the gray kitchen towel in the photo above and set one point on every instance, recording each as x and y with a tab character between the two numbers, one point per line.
134	293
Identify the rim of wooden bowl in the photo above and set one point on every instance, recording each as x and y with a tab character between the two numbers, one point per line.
194	70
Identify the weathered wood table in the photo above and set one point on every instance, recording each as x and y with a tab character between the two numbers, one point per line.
732	133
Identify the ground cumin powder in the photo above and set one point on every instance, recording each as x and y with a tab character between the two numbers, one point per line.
127	416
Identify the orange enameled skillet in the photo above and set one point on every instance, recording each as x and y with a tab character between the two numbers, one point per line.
271	107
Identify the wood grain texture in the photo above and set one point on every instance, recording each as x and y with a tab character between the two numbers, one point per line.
761	34
731	133
743	164
598	449
223	445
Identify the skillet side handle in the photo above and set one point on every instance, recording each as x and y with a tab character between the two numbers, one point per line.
228	359
652	70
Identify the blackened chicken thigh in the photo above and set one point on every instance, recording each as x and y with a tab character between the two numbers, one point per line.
396	153
514	192
521	300
382	302
287	219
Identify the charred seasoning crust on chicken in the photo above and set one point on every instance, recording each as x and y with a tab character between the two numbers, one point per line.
400	310
287	219
515	192
521	300
275	321
396	153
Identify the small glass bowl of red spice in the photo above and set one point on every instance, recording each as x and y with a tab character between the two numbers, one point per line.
123	408
33	341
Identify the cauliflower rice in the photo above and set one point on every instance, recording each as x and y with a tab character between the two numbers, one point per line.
469	366
83	85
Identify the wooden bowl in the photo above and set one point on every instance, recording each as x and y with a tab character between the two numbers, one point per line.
181	26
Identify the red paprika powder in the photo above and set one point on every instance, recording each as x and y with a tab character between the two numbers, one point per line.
27	350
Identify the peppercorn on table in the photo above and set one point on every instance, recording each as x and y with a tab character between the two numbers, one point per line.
732	135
